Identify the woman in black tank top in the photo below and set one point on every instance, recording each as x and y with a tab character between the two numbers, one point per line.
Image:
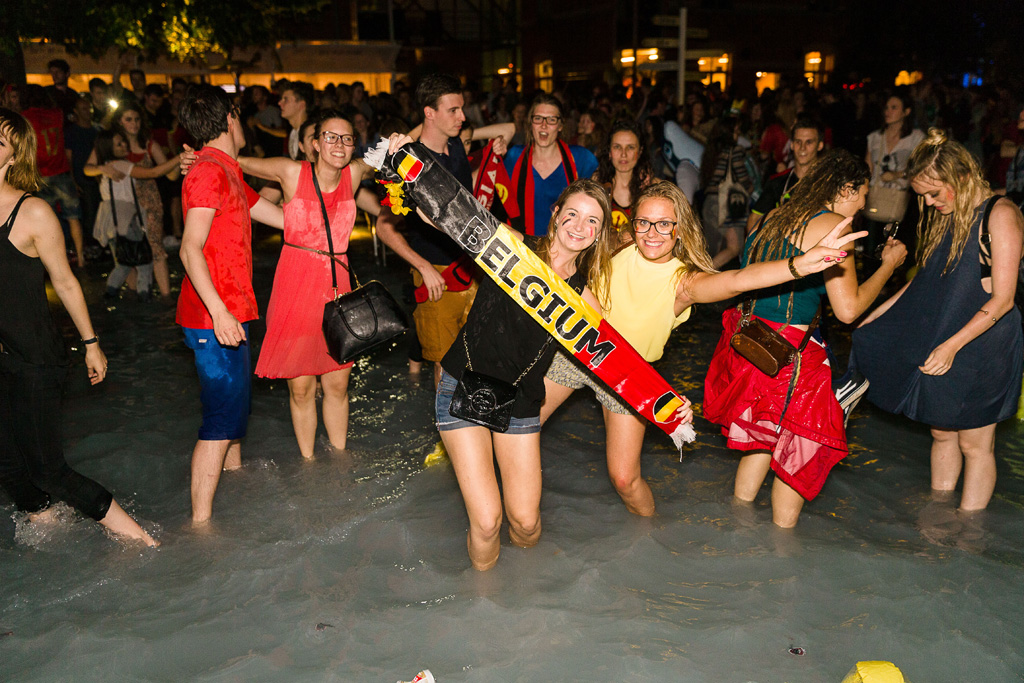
33	362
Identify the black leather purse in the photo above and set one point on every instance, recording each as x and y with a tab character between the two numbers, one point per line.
356	321
132	248
485	400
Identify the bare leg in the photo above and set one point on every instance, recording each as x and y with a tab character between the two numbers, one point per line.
786	504
162	276
335	386
75	227
978	446
437	374
750	474
473	460
233	459
947	460
302	402
207	462
176	222
519	461
625	436
119	522
554	396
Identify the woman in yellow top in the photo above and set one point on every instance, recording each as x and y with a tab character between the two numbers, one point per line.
654	283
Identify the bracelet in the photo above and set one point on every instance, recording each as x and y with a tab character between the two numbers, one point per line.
792	269
94	340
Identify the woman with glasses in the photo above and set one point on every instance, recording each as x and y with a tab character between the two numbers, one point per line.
652	288
545	166
792	423
294	346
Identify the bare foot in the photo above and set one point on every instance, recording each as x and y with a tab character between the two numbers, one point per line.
120	523
44	516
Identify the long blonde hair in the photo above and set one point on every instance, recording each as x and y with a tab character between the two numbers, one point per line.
596	261
946	161
690	247
24	174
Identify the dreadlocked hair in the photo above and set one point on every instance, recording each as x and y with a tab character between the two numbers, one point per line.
946	161
836	172
690	247
596	261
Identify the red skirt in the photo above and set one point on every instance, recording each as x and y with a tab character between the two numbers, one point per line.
748	403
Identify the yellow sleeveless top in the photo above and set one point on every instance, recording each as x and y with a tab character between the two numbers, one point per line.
643	296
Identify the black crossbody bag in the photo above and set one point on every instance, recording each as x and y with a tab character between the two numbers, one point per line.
485	400
133	248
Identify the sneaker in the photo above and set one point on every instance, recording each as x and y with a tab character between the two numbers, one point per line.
851	388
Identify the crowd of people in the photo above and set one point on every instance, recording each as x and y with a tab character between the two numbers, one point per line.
643	205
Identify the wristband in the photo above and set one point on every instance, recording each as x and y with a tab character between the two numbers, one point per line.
792	269
93	340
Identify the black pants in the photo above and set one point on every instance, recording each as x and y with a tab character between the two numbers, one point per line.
32	464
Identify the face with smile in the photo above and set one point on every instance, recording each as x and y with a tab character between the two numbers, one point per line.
131	122
936	193
806	146
448	117
546	124
578	223
653	245
335	153
625	151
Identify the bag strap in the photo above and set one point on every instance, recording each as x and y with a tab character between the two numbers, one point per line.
135	198
330	242
543	348
113	202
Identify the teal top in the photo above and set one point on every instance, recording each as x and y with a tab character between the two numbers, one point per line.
772	303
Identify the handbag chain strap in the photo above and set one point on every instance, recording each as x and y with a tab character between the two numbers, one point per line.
330	242
469	363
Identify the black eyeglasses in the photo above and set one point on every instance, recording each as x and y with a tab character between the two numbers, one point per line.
550	120
333	138
664	228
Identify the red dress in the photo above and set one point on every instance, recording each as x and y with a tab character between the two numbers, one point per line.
294	345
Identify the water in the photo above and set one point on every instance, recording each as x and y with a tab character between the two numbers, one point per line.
353	567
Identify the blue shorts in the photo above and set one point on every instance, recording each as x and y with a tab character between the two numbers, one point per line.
225	379
60	193
446	421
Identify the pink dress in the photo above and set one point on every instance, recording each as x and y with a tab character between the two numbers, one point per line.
294	345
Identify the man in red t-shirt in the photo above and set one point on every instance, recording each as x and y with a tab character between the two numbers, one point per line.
217	300
54	164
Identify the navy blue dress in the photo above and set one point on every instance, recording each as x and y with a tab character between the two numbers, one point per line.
984	383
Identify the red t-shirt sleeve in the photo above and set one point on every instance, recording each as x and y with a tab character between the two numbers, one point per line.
205	187
251	196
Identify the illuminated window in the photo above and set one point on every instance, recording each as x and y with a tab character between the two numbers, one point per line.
715	70
643	57
818	68
766	79
543	73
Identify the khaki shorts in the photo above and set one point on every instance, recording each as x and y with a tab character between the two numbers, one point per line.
567	373
439	322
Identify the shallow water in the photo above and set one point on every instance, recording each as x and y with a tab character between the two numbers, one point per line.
353	567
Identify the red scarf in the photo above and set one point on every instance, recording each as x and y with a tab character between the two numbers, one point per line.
522	181
492	179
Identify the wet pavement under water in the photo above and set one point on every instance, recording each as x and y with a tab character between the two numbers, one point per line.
353	566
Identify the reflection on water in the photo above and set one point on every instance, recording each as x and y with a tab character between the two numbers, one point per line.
353	567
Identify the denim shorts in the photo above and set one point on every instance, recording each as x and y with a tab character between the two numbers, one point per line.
60	193
225	379
447	422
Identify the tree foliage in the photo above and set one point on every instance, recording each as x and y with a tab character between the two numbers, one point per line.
187	30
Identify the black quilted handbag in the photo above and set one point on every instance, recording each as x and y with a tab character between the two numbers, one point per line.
357	321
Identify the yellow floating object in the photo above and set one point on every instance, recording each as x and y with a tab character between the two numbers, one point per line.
1020	405
438	456
874	672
